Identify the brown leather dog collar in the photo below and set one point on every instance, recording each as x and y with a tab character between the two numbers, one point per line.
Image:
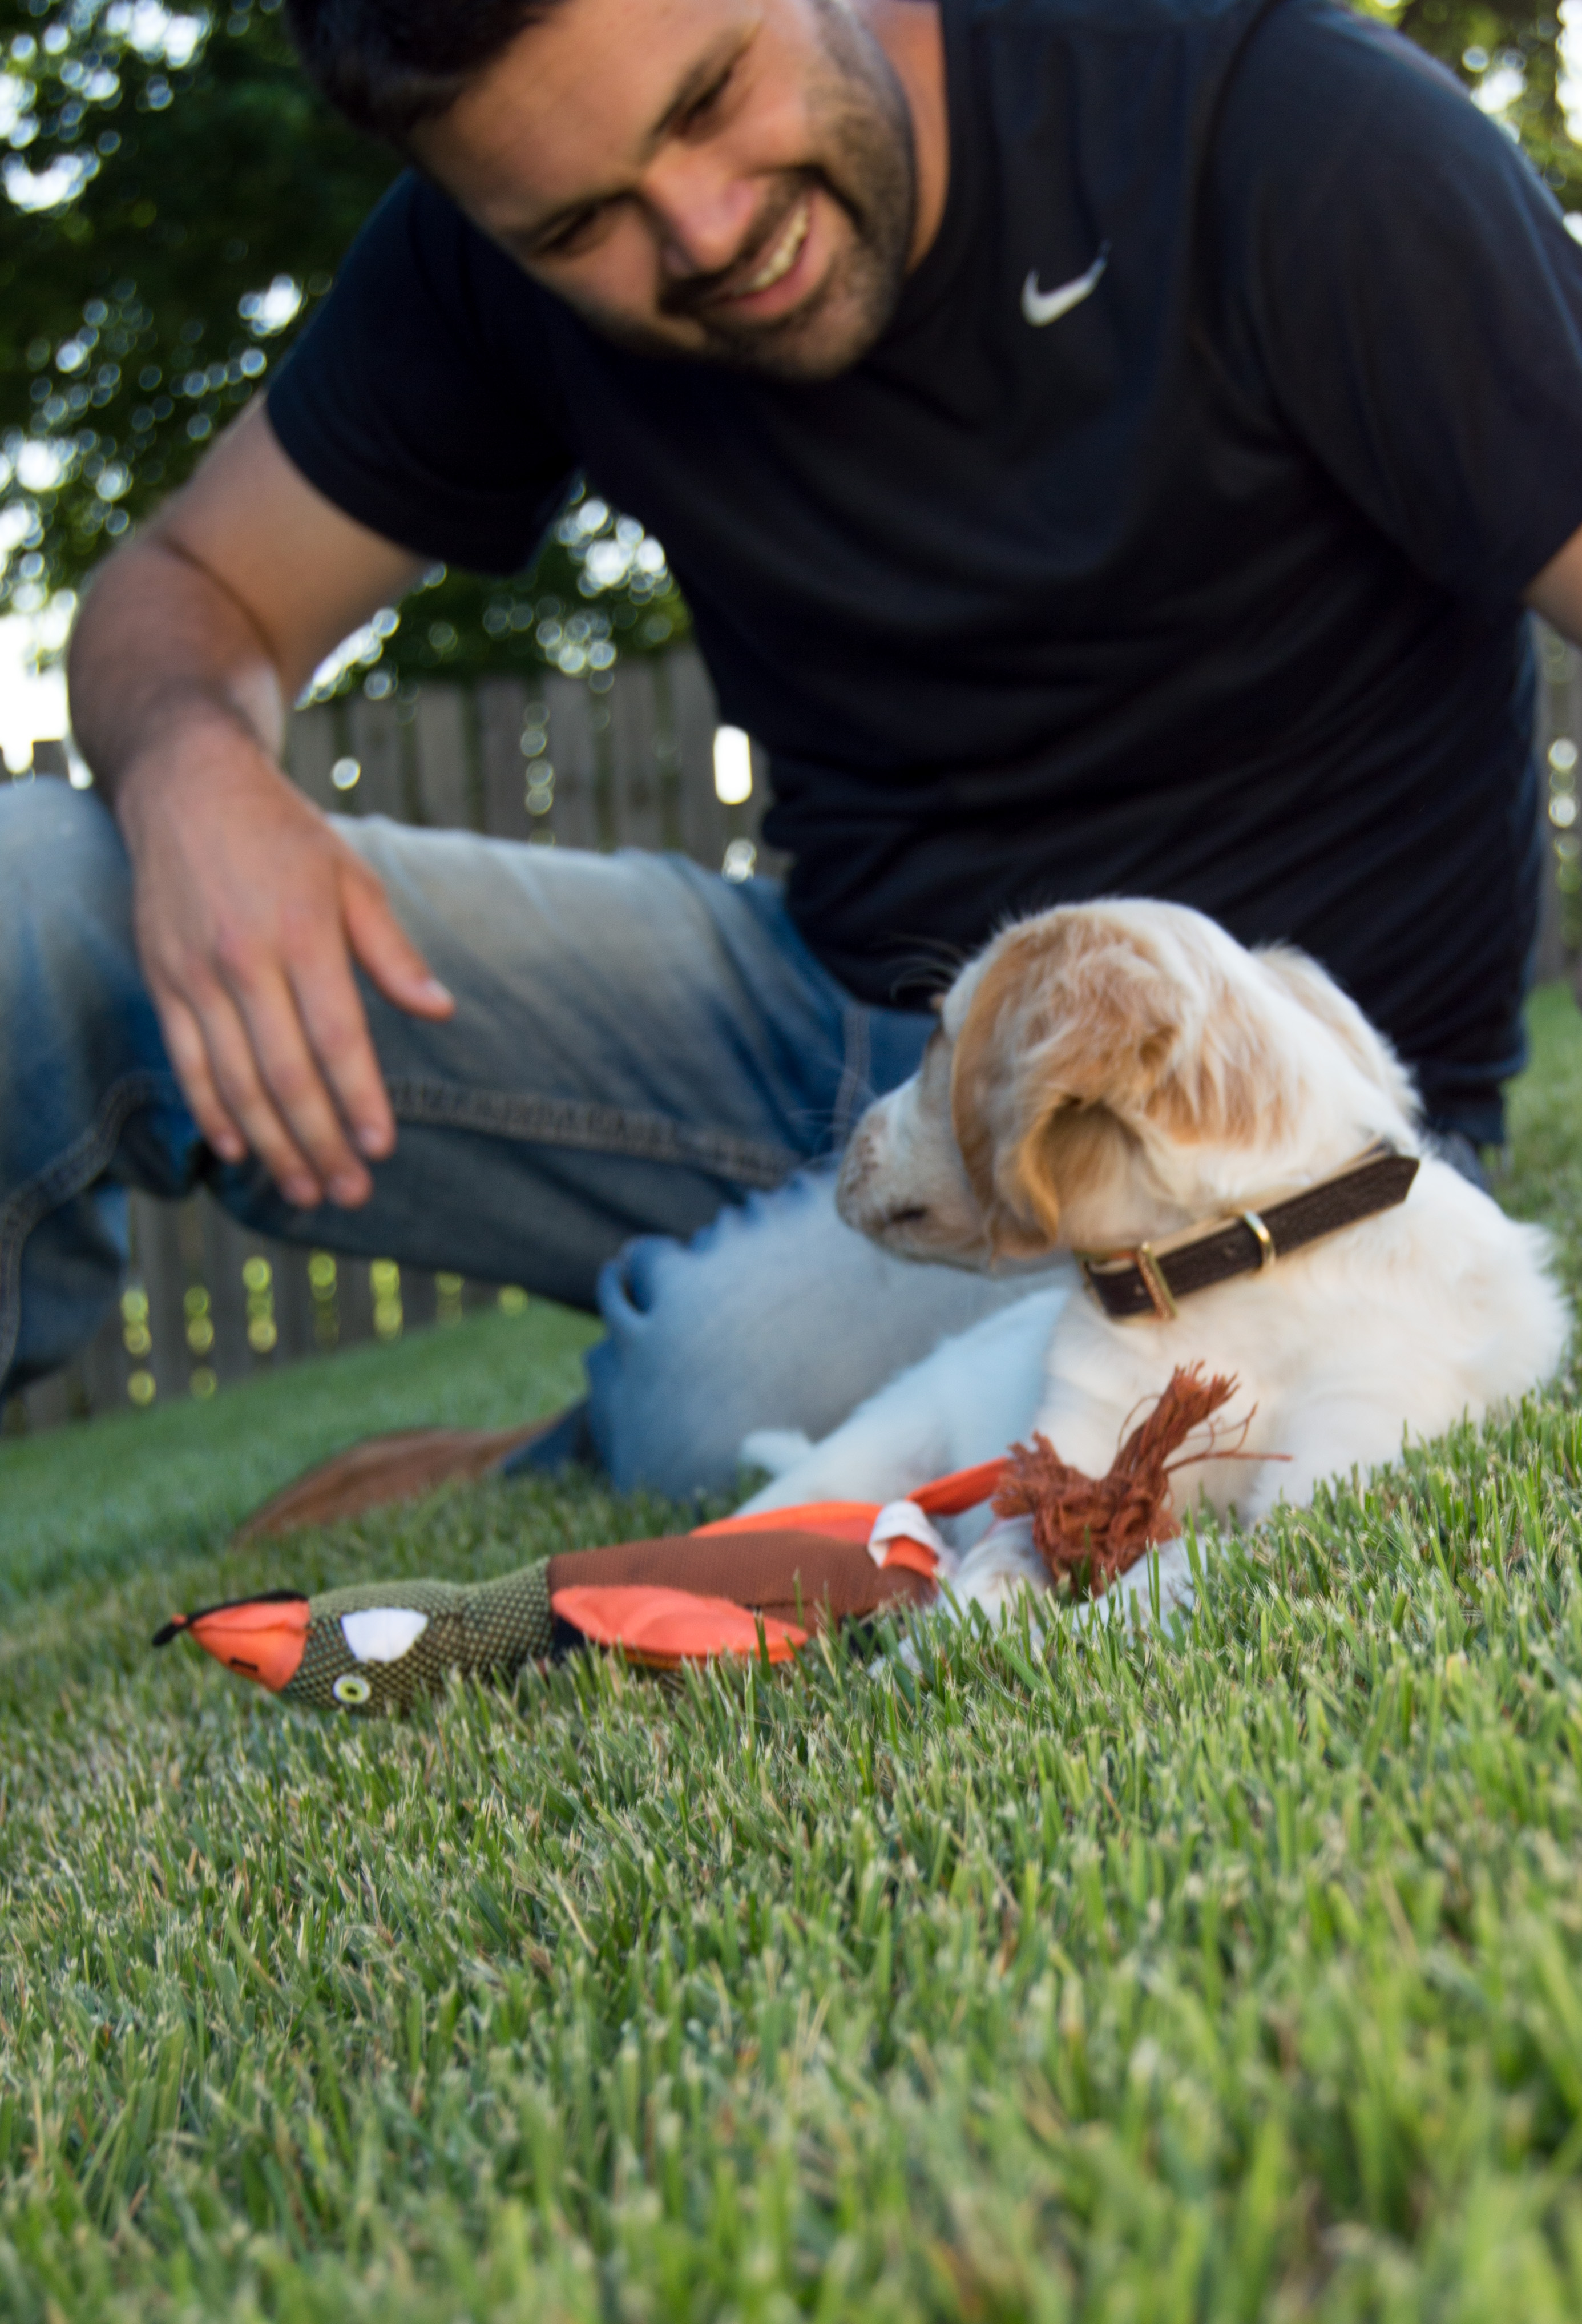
1148	1281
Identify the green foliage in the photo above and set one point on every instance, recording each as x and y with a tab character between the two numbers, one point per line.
1236	1973
599	588
179	199
198	184
1511	55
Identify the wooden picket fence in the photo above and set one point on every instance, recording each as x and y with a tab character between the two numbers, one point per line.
623	759
626	758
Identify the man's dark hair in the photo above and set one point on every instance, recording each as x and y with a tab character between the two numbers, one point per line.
390	64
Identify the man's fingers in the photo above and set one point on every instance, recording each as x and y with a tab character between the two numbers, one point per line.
231	1053
337	1029
385	950
184	1040
295	1084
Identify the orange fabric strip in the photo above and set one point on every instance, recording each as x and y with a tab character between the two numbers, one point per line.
839	1520
915	1555
655	1625
948	1497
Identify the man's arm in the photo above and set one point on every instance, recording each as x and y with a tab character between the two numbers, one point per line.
250	908
1556	594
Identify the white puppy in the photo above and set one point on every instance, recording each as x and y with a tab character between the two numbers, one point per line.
1117	1077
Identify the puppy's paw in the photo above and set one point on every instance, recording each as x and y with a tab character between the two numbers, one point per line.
1165	1575
774	1448
999	1568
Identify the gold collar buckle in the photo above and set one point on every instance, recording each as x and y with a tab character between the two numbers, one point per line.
1148	1265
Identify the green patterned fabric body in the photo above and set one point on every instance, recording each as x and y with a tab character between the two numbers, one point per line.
483	1629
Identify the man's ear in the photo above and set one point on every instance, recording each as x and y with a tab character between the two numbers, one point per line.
1072	1029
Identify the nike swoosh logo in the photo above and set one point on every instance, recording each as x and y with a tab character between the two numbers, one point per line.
1040	307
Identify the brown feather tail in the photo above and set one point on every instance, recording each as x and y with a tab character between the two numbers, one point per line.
1089	1529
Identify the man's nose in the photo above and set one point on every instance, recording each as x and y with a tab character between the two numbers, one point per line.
704	211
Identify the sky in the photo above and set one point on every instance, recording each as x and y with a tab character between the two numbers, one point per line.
32	704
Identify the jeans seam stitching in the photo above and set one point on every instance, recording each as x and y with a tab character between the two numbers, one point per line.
857	1065
581	1125
67	1175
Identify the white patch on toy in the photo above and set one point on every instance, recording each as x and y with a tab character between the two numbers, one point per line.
382	1634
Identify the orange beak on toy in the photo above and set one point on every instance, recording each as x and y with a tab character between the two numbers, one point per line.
262	1637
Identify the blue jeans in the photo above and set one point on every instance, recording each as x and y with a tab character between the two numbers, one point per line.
635	1109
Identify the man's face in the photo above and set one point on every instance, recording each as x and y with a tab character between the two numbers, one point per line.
730	180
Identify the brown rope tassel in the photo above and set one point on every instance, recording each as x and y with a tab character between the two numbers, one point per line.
1089	1529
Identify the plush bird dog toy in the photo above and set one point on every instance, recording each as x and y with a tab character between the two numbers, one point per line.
759	1584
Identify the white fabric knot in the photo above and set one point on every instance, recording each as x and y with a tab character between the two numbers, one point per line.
905	1521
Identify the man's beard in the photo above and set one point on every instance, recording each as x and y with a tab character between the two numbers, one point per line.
867	166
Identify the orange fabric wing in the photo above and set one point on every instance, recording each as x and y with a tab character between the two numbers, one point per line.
665	1627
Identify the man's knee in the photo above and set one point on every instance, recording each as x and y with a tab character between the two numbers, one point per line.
79	1041
64	882
776	1315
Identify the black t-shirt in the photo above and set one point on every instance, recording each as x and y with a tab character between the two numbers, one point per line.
1207	588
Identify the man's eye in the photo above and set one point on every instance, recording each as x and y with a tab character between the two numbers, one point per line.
568	238
697	114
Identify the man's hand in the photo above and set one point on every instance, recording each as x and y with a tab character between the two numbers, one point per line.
250	912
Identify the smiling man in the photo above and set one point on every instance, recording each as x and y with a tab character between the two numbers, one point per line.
1106	447
738	186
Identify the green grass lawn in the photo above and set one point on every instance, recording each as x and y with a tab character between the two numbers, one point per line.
1235	1974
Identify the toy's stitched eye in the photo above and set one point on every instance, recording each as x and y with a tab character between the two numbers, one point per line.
350	1689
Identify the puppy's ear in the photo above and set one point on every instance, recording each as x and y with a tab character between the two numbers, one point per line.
1367	1048
1071	1031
